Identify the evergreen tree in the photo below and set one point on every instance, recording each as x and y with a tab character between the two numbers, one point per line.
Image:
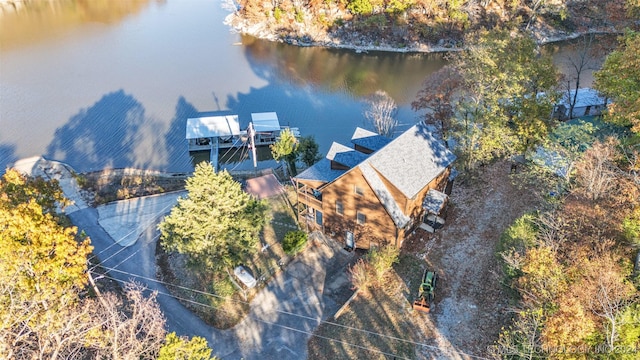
217	224
308	150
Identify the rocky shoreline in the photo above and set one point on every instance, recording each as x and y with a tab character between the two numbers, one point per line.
543	35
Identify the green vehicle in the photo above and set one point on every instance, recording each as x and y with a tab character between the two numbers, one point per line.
426	292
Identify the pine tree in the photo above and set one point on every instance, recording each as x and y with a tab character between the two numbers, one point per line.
217	224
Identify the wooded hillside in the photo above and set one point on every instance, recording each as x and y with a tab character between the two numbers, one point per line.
423	24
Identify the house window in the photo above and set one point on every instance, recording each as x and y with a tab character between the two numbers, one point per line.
318	217
358	190
339	208
361	218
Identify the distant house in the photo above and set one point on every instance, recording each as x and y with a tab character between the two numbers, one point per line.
588	102
375	192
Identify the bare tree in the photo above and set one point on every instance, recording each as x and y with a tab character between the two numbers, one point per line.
437	98
611	294
583	60
133	330
597	171
32	328
522	338
381	113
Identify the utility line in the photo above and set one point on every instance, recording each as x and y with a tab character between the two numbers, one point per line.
116	242
395	356
292	314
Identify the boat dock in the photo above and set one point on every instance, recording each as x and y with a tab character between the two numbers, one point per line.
215	133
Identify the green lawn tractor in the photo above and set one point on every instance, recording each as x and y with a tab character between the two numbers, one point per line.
425	292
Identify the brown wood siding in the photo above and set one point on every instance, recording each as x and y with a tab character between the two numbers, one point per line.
378	228
398	196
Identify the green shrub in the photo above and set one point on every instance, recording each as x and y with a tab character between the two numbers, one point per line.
382	259
377	21
294	241
631	227
360	7
277	14
514	242
299	15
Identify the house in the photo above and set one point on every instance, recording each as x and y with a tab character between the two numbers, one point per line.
375	192
588	102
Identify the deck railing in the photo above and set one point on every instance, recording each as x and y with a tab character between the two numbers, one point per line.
306	197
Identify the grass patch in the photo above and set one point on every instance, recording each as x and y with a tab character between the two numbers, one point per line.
384	309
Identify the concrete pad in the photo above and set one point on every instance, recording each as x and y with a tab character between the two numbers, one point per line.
54	170
126	220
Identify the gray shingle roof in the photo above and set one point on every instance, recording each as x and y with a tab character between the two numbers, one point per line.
412	160
368	139
345	155
321	171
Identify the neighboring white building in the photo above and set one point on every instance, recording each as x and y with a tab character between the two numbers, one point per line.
588	102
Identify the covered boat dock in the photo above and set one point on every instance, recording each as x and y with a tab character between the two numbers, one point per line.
267	128
213	133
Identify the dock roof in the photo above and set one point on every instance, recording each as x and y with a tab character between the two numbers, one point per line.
265	122
213	126
584	97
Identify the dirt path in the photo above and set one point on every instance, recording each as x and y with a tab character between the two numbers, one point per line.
471	305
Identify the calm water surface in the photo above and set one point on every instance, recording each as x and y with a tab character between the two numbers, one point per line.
115	89
110	84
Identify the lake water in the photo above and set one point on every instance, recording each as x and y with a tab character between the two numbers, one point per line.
111	84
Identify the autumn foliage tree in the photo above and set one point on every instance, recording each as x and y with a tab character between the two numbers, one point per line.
619	79
501	111
42	269
45	310
182	348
